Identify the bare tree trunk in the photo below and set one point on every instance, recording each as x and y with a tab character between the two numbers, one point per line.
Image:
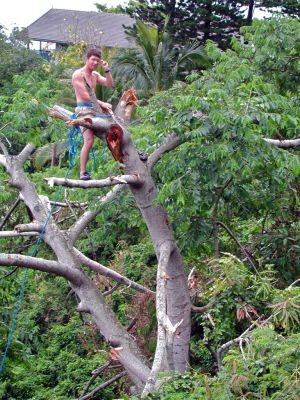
177	295
176	298
208	19
215	231
250	12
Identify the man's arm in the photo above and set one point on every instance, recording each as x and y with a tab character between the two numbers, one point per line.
107	80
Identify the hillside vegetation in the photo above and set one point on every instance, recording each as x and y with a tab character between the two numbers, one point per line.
233	200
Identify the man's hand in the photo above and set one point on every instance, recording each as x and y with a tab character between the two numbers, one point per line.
106	107
104	64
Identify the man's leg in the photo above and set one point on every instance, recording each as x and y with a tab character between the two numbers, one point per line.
88	141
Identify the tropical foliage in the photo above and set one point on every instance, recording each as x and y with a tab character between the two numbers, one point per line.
15	58
154	64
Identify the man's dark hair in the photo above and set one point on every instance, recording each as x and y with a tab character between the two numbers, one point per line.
93	52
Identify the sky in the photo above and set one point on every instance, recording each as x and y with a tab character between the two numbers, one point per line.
21	13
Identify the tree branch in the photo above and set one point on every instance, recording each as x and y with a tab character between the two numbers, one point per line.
110	291
202	309
88	216
30	227
95	373
228	344
86	230
25	153
103	385
9	273
74	204
238	243
215	232
284	144
294	283
60	113
132	323
52	267
10	211
17	234
171	142
98	125
101	269
60	221
93	183
215	213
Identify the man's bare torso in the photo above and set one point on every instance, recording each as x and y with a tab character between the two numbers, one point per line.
78	83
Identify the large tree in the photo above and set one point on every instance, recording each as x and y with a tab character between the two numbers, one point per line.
193	20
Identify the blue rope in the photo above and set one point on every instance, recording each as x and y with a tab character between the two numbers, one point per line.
73	141
94	158
14	319
73	144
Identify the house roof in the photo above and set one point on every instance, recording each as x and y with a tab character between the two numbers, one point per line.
70	26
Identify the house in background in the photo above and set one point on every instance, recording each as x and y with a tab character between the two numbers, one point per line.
59	28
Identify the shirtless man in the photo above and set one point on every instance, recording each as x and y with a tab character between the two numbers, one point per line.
85	106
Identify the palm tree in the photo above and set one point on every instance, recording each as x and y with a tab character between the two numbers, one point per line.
154	63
